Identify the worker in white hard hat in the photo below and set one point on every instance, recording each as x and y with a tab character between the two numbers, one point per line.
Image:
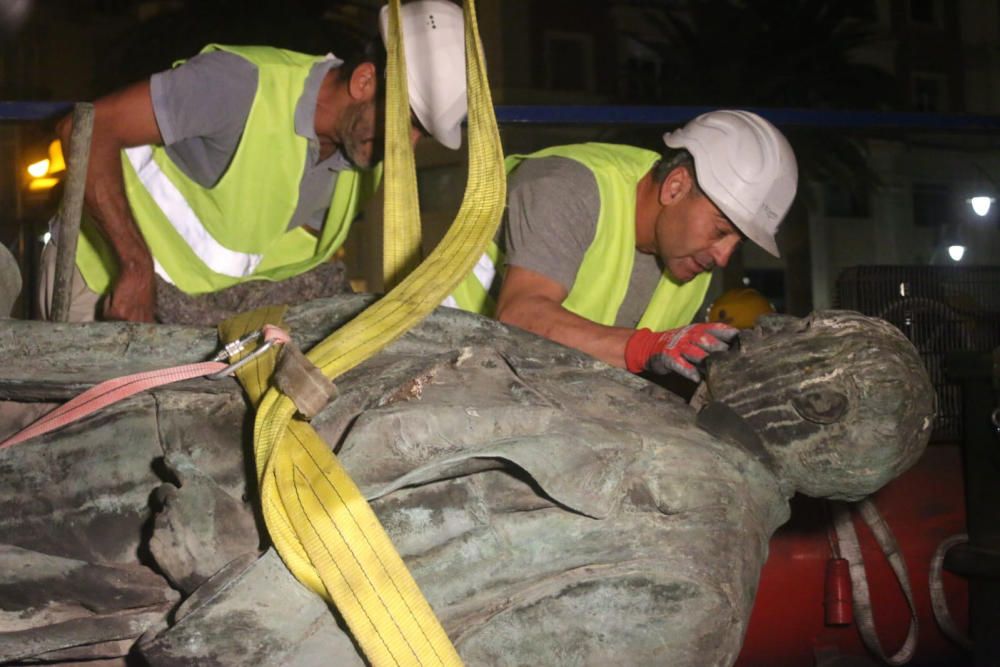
248	163
609	248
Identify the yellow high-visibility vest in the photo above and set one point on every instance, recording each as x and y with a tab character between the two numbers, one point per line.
602	280
206	239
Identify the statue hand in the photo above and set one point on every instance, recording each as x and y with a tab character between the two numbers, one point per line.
676	350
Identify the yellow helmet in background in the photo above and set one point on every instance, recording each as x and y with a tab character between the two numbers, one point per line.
739	307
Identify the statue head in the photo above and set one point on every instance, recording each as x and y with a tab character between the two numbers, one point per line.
841	401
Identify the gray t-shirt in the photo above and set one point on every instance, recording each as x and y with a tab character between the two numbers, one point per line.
552	210
202	106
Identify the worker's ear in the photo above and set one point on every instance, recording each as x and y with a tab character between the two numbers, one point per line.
675	186
363	82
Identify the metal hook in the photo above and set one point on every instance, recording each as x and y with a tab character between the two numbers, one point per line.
235	347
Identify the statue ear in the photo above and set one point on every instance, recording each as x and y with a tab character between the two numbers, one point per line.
821	406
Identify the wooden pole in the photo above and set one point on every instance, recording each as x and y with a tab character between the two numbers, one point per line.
71	208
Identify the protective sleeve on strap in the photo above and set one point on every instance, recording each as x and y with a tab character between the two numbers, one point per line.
297	377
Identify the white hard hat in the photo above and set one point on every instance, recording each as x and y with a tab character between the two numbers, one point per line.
434	39
745	166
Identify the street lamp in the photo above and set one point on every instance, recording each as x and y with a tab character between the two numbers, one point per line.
981	204
951	247
984	188
44	173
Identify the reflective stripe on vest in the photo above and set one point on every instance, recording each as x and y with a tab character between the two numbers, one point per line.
175	207
602	280
473	293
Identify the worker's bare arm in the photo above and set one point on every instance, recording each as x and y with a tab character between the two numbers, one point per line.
532	301
121	119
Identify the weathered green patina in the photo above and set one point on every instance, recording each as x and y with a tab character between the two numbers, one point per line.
552	509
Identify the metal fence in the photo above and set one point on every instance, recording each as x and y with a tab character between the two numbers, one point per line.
941	310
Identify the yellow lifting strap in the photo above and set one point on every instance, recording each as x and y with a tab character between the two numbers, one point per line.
401	216
320	523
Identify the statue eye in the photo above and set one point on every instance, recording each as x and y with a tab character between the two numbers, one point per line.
823	406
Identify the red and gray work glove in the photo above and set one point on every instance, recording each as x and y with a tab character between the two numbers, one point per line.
676	350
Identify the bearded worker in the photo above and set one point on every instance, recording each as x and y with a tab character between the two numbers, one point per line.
246	163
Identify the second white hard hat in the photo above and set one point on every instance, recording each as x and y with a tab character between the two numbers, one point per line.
434	39
746	166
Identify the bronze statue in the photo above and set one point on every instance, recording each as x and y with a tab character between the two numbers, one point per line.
552	509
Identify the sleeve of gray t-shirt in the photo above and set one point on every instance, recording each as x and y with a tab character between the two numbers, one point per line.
552	210
201	108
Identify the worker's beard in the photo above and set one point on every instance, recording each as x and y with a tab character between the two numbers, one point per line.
359	141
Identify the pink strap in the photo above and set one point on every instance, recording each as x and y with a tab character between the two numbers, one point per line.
109	392
275	334
117	389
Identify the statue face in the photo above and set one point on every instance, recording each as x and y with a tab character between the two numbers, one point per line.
841	400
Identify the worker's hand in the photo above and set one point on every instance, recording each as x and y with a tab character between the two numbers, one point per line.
676	350
132	298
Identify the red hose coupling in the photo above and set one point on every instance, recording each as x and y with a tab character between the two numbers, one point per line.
837	600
